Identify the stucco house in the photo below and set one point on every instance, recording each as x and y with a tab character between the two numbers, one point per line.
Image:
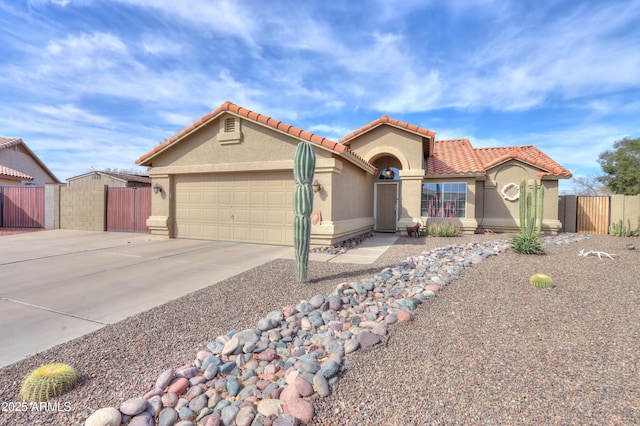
228	176
19	165
99	179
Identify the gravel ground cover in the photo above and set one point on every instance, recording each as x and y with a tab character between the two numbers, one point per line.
489	349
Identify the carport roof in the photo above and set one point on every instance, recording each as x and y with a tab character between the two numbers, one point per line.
228	107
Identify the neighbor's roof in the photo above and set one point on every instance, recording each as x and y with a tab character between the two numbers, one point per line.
10	173
10	142
385	120
120	176
335	147
491	157
454	157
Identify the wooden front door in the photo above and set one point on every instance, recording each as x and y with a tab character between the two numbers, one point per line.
386	206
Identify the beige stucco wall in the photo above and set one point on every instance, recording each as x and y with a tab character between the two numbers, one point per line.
501	214
11	182
384	140
627	209
17	158
345	203
83	209
262	149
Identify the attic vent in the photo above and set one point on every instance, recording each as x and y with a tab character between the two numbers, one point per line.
230	125
229	131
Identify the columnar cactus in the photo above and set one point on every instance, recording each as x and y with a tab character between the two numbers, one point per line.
531	208
304	164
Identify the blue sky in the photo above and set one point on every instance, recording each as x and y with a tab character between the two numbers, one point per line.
97	83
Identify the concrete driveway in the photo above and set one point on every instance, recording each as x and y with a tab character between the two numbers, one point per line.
61	284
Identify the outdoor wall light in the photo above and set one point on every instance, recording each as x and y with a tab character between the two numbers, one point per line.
390	174
157	188
316	186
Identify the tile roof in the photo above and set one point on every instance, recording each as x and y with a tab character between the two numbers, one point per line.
227	106
10	142
529	154
8	172
391	122
126	177
453	157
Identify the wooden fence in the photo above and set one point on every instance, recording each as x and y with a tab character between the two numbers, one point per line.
594	215
128	209
22	206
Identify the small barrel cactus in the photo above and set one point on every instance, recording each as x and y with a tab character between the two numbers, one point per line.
304	164
48	381
541	281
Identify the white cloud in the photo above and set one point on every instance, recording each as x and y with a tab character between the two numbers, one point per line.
226	17
68	112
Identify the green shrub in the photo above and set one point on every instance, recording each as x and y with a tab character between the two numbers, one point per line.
527	243
442	230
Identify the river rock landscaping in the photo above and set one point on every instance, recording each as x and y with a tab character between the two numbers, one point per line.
271	374
341	357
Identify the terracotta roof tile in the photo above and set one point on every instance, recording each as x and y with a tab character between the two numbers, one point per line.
9	172
390	121
268	121
453	157
529	154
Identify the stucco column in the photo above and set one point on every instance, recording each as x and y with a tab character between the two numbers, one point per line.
160	221
411	198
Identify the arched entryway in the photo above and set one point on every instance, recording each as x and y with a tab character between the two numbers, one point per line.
387	190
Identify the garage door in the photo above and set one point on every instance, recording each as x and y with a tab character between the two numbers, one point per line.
246	207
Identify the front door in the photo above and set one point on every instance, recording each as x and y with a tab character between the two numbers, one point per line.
386	206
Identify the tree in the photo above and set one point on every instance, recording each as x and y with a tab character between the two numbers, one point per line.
588	185
622	167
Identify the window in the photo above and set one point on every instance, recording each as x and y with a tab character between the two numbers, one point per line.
444	199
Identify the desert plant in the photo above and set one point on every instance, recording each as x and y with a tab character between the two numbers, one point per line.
527	243
304	164
541	281
48	381
531	208
442	230
531	215
619	229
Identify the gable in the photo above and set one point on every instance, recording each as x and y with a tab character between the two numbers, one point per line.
527	154
18	161
216	127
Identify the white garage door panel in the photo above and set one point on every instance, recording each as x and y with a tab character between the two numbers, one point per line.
249	207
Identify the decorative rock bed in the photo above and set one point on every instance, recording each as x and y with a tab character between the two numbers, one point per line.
271	374
343	246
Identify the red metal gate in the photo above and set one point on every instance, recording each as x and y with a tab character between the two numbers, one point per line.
128	209
21	207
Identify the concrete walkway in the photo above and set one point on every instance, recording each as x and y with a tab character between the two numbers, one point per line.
366	253
59	285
